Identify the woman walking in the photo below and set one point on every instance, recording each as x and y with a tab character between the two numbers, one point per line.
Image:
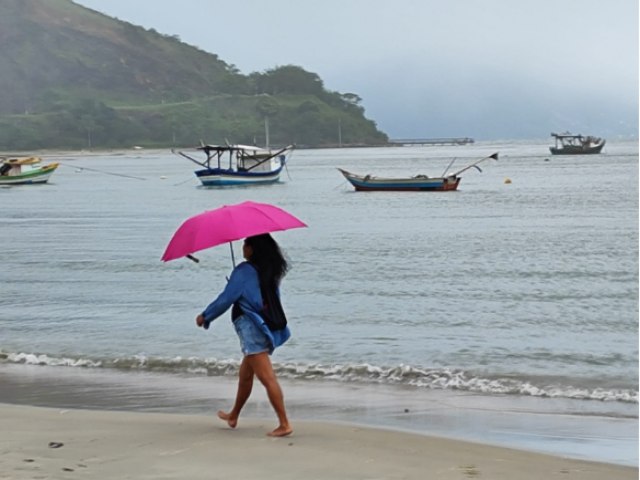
251	284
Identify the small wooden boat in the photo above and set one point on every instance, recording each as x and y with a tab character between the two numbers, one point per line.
369	183
568	144
232	165
21	171
417	183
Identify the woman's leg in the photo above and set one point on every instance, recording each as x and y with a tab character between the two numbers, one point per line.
261	366
245	385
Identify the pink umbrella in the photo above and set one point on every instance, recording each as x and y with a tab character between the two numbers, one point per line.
226	224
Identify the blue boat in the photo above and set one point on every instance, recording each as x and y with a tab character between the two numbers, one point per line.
369	183
233	165
417	183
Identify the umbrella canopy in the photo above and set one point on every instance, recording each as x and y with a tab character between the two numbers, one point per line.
226	224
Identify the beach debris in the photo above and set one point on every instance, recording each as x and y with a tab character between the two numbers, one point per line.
28	460
470	470
507	180
67	469
55	444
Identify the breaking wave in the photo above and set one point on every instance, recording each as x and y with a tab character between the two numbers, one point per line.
436	378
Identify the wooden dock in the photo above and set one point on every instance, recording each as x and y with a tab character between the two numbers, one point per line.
431	141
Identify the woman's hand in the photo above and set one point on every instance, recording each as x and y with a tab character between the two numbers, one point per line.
200	320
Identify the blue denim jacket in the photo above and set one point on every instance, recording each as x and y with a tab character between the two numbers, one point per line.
244	287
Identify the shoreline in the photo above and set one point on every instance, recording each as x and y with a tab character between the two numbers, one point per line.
531	425
154	150
106	444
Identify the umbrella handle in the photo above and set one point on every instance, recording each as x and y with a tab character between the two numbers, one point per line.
233	259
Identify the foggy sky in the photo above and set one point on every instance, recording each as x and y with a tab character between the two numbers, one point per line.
488	69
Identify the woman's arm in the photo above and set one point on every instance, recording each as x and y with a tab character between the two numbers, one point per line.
231	293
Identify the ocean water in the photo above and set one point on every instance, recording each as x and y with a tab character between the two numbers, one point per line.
520	289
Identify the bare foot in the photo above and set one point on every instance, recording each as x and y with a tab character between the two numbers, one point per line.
232	422
281	431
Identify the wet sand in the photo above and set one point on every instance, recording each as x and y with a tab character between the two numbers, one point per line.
114	417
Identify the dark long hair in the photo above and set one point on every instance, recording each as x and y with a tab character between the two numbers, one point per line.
268	259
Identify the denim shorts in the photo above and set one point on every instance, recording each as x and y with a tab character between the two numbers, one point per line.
252	339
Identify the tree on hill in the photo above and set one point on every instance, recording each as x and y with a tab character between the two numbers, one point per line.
290	80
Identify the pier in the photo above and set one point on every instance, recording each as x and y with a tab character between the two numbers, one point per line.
431	141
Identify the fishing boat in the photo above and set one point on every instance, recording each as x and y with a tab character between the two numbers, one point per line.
568	144
421	183
21	171
232	165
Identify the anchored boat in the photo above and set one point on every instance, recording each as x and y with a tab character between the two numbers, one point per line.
422	183
229	165
568	144
369	183
21	171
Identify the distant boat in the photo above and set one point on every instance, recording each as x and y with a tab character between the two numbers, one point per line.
23	171
232	165
568	144
417	183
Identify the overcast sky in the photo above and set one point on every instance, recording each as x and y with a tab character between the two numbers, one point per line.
427	68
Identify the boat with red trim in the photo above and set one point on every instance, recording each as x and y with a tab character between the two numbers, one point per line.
417	183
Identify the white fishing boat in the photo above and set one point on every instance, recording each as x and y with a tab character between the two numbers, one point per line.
232	165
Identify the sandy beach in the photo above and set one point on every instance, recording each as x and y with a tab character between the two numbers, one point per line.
64	444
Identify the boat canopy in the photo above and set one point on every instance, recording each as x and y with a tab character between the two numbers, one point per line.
22	161
565	135
248	149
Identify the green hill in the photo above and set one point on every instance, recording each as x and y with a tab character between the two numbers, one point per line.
71	77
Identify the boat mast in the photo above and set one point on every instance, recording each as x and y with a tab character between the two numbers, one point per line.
475	164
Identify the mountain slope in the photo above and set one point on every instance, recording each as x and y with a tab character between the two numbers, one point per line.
81	78
55	43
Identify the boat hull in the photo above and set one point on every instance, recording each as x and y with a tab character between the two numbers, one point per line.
34	176
412	184
570	150
217	177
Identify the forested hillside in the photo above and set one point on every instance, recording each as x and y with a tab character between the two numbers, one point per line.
71	77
